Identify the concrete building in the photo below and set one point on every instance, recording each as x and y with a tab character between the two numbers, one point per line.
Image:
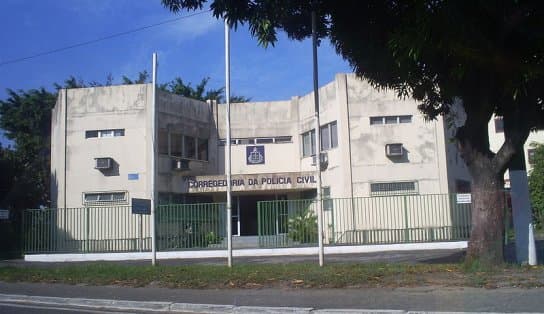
374	145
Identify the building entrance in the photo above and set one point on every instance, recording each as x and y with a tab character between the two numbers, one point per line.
245	217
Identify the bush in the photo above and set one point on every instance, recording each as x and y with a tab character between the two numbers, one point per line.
536	186
303	227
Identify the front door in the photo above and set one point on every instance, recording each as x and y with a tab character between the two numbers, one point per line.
248	213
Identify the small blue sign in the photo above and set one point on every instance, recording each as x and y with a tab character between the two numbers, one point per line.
133	176
255	155
141	206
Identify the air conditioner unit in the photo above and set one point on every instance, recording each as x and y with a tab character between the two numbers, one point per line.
394	150
180	164
324	160
103	163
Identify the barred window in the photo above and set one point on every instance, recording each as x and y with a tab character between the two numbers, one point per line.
393	188
378	120
104	133
105	198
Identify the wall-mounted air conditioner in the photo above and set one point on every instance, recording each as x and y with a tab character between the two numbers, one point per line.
324	160
180	164
103	163
394	150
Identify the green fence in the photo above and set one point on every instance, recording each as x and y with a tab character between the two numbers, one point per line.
188	226
116	229
85	230
365	220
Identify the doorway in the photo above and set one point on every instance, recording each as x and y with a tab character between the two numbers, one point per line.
247	213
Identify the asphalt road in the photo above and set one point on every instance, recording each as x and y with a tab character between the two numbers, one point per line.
11	308
412	299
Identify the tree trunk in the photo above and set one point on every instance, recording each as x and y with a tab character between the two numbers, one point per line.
486	237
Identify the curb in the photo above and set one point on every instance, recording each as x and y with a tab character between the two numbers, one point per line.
171	307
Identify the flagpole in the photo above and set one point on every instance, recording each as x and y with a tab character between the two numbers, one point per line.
153	162
317	142
228	152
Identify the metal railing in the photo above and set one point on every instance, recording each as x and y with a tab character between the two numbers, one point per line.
117	229
187	226
365	220
281	223
84	230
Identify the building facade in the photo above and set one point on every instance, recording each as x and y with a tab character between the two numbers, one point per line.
374	145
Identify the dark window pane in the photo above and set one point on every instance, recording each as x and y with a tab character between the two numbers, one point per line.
325	137
176	141
283	139
202	149
189	147
163	142
391	120
267	140
405	119
499	125
334	135
376	120
91	134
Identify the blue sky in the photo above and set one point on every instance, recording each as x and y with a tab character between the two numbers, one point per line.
192	48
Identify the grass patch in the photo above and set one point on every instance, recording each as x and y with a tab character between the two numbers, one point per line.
278	275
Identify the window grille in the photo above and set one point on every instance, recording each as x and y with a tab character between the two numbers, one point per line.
105	198
393	188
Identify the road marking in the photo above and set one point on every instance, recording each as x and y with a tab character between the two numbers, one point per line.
73	309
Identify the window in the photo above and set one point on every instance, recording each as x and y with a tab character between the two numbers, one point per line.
176	143
202	149
282	139
329	137
531	155
105	198
334	134
499	125
393	188
308	143
405	119
325	138
104	133
391	120
378	120
163	142
189	147
264	140
246	141
260	140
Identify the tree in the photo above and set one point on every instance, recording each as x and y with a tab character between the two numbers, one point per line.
536	185
488	56
177	86
25	116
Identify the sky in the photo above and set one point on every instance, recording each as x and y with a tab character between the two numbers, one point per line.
191	48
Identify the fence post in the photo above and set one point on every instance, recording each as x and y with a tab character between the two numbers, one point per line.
406	221
22	232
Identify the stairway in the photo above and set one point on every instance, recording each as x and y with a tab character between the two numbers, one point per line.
244	242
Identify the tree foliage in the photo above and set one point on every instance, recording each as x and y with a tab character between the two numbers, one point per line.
25	116
536	185
486	55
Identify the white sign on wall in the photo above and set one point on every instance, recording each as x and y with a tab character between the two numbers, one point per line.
464	198
4	214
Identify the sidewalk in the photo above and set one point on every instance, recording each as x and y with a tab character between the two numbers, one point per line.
427	299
